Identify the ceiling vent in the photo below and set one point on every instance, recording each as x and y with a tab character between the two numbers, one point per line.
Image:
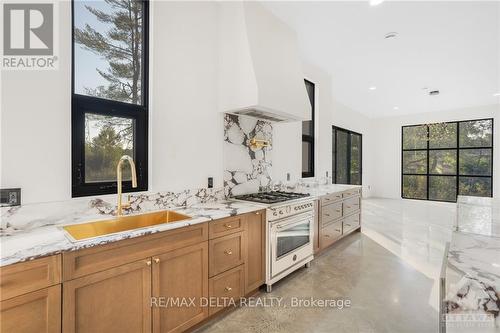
433	92
391	35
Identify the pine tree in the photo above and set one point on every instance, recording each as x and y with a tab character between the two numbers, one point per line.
121	46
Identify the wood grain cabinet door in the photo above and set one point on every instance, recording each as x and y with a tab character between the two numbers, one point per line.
180	286
35	312
114	300
256	254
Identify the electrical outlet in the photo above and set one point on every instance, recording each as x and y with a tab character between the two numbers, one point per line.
288	176
10	197
210	182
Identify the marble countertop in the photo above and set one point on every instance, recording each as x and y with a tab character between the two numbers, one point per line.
472	269
317	191
37	241
34	231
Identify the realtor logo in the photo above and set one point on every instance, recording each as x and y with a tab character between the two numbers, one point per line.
28	36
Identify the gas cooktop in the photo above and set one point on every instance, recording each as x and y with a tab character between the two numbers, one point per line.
271	197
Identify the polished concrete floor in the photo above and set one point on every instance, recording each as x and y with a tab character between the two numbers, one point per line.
389	272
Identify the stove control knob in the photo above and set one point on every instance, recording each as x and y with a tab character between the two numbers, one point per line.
296	208
275	213
281	212
288	209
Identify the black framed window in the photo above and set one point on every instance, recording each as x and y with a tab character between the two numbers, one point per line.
308	135
440	161
347	156
109	94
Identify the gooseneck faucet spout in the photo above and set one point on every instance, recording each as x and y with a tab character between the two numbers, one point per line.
129	159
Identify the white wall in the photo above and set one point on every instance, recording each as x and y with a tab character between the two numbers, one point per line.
387	143
36	125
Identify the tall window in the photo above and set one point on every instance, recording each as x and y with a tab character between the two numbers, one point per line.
308	136
110	94
443	160
346	156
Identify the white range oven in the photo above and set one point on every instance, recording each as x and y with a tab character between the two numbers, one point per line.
289	234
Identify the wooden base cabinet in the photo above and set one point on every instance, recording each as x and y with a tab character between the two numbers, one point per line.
255	266
180	276
38	311
115	300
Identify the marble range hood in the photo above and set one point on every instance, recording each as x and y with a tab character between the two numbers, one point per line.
260	72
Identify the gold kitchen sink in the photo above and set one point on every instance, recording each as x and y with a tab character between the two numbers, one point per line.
122	223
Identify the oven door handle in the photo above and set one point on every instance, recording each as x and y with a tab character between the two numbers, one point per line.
280	226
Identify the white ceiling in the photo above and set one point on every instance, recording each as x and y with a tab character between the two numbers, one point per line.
450	46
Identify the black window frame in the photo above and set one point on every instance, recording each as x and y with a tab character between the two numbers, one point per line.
457	149
335	130
82	104
309	138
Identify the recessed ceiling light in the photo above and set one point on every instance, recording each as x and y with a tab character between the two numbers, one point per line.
391	35
497	94
375	2
373	88
396	108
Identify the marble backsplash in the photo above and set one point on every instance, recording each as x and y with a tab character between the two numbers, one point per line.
246	169
41	214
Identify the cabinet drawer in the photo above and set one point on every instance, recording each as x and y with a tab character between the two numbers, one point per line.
99	258
22	278
330	234
350	193
225	286
351	222
351	205
226	252
226	226
331	212
329	198
38	311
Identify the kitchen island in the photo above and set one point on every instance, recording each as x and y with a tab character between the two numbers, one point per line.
470	283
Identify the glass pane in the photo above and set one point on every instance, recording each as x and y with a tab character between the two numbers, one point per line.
291	238
475	186
443	188
476	133
334	137
475	162
415	137
415	187
106	140
443	162
355	159
108	49
443	135
307	127
415	162
342	149
306	156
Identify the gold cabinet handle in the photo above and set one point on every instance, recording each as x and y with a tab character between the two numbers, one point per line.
157	260
148	262
228	252
337	210
228	289
337	230
327	214
348	225
347	207
228	226
257	213
327	236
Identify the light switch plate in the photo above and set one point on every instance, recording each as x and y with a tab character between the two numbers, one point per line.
10	197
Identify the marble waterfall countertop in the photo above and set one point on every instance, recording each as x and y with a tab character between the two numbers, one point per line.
316	190
47	239
472	271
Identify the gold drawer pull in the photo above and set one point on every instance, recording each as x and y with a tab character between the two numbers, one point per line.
337	210
257	213
228	252
157	260
228	226
327	214
348	207
148	262
327	236
228	289
337	230
348	225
